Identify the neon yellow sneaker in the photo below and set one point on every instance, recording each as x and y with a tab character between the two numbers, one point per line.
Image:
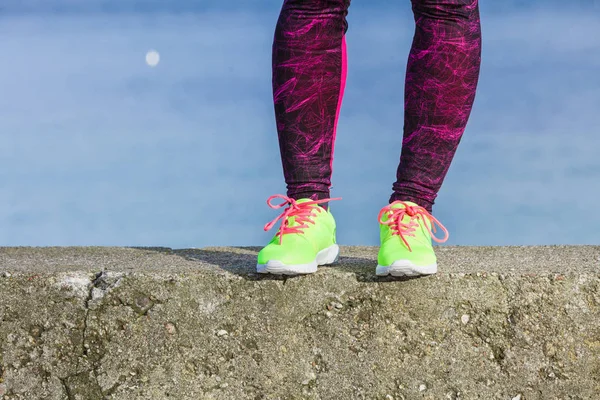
305	239
406	234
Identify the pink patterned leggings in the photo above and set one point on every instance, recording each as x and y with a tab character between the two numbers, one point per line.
309	74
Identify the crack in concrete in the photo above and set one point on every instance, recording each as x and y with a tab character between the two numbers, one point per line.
72	391
95	373
86	305
66	388
97	282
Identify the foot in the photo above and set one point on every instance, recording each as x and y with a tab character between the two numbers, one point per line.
406	234
305	239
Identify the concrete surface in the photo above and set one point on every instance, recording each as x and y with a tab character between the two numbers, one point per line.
126	323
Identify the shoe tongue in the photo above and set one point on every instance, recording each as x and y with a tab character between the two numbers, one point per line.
303	200
324	206
401	205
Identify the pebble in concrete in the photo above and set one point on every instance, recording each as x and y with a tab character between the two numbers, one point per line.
171	330
311	377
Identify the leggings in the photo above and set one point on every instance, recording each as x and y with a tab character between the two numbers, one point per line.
309	75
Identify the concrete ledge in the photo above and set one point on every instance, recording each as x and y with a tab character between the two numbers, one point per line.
126	323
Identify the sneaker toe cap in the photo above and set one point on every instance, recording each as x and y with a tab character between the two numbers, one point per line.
274	252
420	255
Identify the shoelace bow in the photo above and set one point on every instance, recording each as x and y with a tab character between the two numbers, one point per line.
396	215
302	212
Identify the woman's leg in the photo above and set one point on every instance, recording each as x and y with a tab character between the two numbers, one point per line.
309	73
441	79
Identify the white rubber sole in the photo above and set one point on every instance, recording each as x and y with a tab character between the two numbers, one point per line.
324	257
405	268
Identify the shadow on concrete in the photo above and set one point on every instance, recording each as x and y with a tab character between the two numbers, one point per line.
242	262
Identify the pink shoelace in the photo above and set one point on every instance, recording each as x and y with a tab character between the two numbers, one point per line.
401	229
303	213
